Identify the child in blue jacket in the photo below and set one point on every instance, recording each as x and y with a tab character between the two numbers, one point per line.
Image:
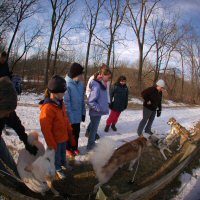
74	101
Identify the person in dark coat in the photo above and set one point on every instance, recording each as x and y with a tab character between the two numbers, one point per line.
4	69
152	104
119	102
8	116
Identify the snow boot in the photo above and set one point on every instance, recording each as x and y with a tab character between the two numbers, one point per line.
113	127
107	128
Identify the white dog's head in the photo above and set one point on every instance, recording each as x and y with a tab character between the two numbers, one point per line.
33	139
43	168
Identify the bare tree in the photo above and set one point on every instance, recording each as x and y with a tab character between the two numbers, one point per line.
62	32
90	18
137	18
59	8
26	43
22	10
7	9
116	12
166	38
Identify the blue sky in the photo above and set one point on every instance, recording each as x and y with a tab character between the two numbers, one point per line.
188	11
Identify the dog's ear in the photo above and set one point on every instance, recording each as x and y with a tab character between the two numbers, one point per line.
28	168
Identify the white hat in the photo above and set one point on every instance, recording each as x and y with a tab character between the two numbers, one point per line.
160	83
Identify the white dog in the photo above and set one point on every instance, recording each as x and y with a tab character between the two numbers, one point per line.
37	172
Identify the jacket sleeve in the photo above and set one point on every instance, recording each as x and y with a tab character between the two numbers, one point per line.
146	94
83	103
92	101
112	92
67	101
46	121
14	122
8	73
126	99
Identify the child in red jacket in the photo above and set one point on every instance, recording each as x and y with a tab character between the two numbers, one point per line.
54	122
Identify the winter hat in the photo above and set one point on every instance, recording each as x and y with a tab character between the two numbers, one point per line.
57	84
160	83
8	95
75	70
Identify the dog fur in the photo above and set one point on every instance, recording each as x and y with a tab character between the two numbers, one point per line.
178	131
106	159
37	172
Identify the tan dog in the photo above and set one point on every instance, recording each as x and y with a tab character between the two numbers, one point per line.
37	172
178	131
106	160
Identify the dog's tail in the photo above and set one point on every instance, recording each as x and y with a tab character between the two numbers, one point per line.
101	155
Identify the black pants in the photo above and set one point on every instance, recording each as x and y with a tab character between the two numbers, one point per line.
76	132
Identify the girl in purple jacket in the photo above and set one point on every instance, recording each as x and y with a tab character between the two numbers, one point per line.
98	103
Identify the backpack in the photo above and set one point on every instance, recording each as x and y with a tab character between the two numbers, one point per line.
17	82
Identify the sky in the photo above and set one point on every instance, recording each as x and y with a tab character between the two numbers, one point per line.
187	10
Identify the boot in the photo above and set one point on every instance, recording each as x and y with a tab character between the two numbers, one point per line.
107	128
113	127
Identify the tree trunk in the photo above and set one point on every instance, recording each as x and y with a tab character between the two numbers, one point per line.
139	80
87	58
183	77
12	40
48	58
109	52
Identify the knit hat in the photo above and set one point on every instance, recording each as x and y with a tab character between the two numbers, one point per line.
75	70
57	84
8	95
160	83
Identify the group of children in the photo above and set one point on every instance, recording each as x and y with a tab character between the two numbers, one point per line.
63	109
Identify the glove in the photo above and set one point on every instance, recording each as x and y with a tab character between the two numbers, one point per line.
32	149
83	118
158	113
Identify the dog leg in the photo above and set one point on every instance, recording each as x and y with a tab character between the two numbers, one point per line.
163	154
131	165
96	187
50	185
180	146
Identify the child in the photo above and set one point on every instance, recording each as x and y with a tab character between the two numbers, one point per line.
119	102
74	101
98	103
88	90
54	122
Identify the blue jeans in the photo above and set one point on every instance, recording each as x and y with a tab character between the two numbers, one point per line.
147	121
60	156
7	164
93	127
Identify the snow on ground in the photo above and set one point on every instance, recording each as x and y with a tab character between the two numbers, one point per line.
127	127
30	98
166	103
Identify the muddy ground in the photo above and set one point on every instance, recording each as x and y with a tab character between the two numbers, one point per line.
81	180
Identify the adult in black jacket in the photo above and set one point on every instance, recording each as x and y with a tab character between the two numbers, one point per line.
4	69
8	103
152	103
119	102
